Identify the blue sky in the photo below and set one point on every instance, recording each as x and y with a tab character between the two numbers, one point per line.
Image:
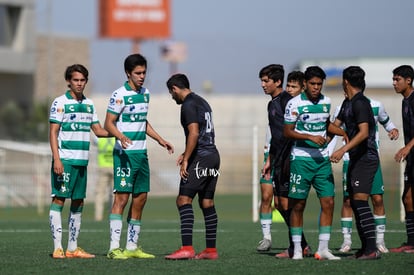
229	41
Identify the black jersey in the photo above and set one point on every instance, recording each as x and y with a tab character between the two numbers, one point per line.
195	109
353	112
408	122
280	146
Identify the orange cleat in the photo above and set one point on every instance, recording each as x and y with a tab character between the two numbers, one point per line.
184	253
207	254
79	253
58	254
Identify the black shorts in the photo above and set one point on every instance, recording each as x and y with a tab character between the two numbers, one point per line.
409	173
202	179
281	174
361	174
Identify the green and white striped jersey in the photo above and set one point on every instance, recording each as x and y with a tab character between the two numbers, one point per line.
75	120
309	118
131	107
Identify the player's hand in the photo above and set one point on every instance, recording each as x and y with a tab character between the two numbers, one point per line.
58	167
320	140
337	156
393	134
125	142
401	154
168	146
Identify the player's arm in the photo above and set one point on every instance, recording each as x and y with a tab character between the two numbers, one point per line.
110	126
192	139
99	131
358	138
53	139
154	135
289	132
403	152
386	122
335	130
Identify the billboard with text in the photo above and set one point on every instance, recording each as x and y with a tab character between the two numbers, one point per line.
136	19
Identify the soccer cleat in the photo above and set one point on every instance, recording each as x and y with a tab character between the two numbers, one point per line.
325	255
58	254
409	251
382	248
137	253
404	247
297	256
207	254
79	253
345	247
357	254
116	254
184	253
283	255
264	245
375	255
307	251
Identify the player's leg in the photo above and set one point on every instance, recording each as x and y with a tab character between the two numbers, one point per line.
346	213
122	174
266	215
140	189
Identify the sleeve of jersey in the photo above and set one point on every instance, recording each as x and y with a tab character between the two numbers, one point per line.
384	119
189	114
291	112
56	112
115	103
95	118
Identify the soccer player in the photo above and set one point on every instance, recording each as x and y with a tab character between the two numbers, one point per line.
307	123
277	164
199	169
357	115
381	116
72	116
402	81
126	119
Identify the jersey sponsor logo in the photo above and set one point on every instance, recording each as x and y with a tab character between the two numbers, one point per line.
53	110
76	127
205	171
60	110
119	102
72	117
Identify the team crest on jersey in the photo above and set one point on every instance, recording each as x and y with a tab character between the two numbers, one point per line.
325	108
145	98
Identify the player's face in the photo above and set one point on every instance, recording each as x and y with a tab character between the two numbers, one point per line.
313	87
268	85
401	85
137	77
77	83
294	88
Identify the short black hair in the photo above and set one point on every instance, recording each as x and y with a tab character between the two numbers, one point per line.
273	71
405	71
179	80
314	71
355	76
134	60
76	68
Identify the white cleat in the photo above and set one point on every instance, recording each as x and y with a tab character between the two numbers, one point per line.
325	255
345	247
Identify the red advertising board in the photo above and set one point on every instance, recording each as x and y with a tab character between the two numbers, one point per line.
136	19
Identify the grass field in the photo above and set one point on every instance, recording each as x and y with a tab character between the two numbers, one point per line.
26	244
